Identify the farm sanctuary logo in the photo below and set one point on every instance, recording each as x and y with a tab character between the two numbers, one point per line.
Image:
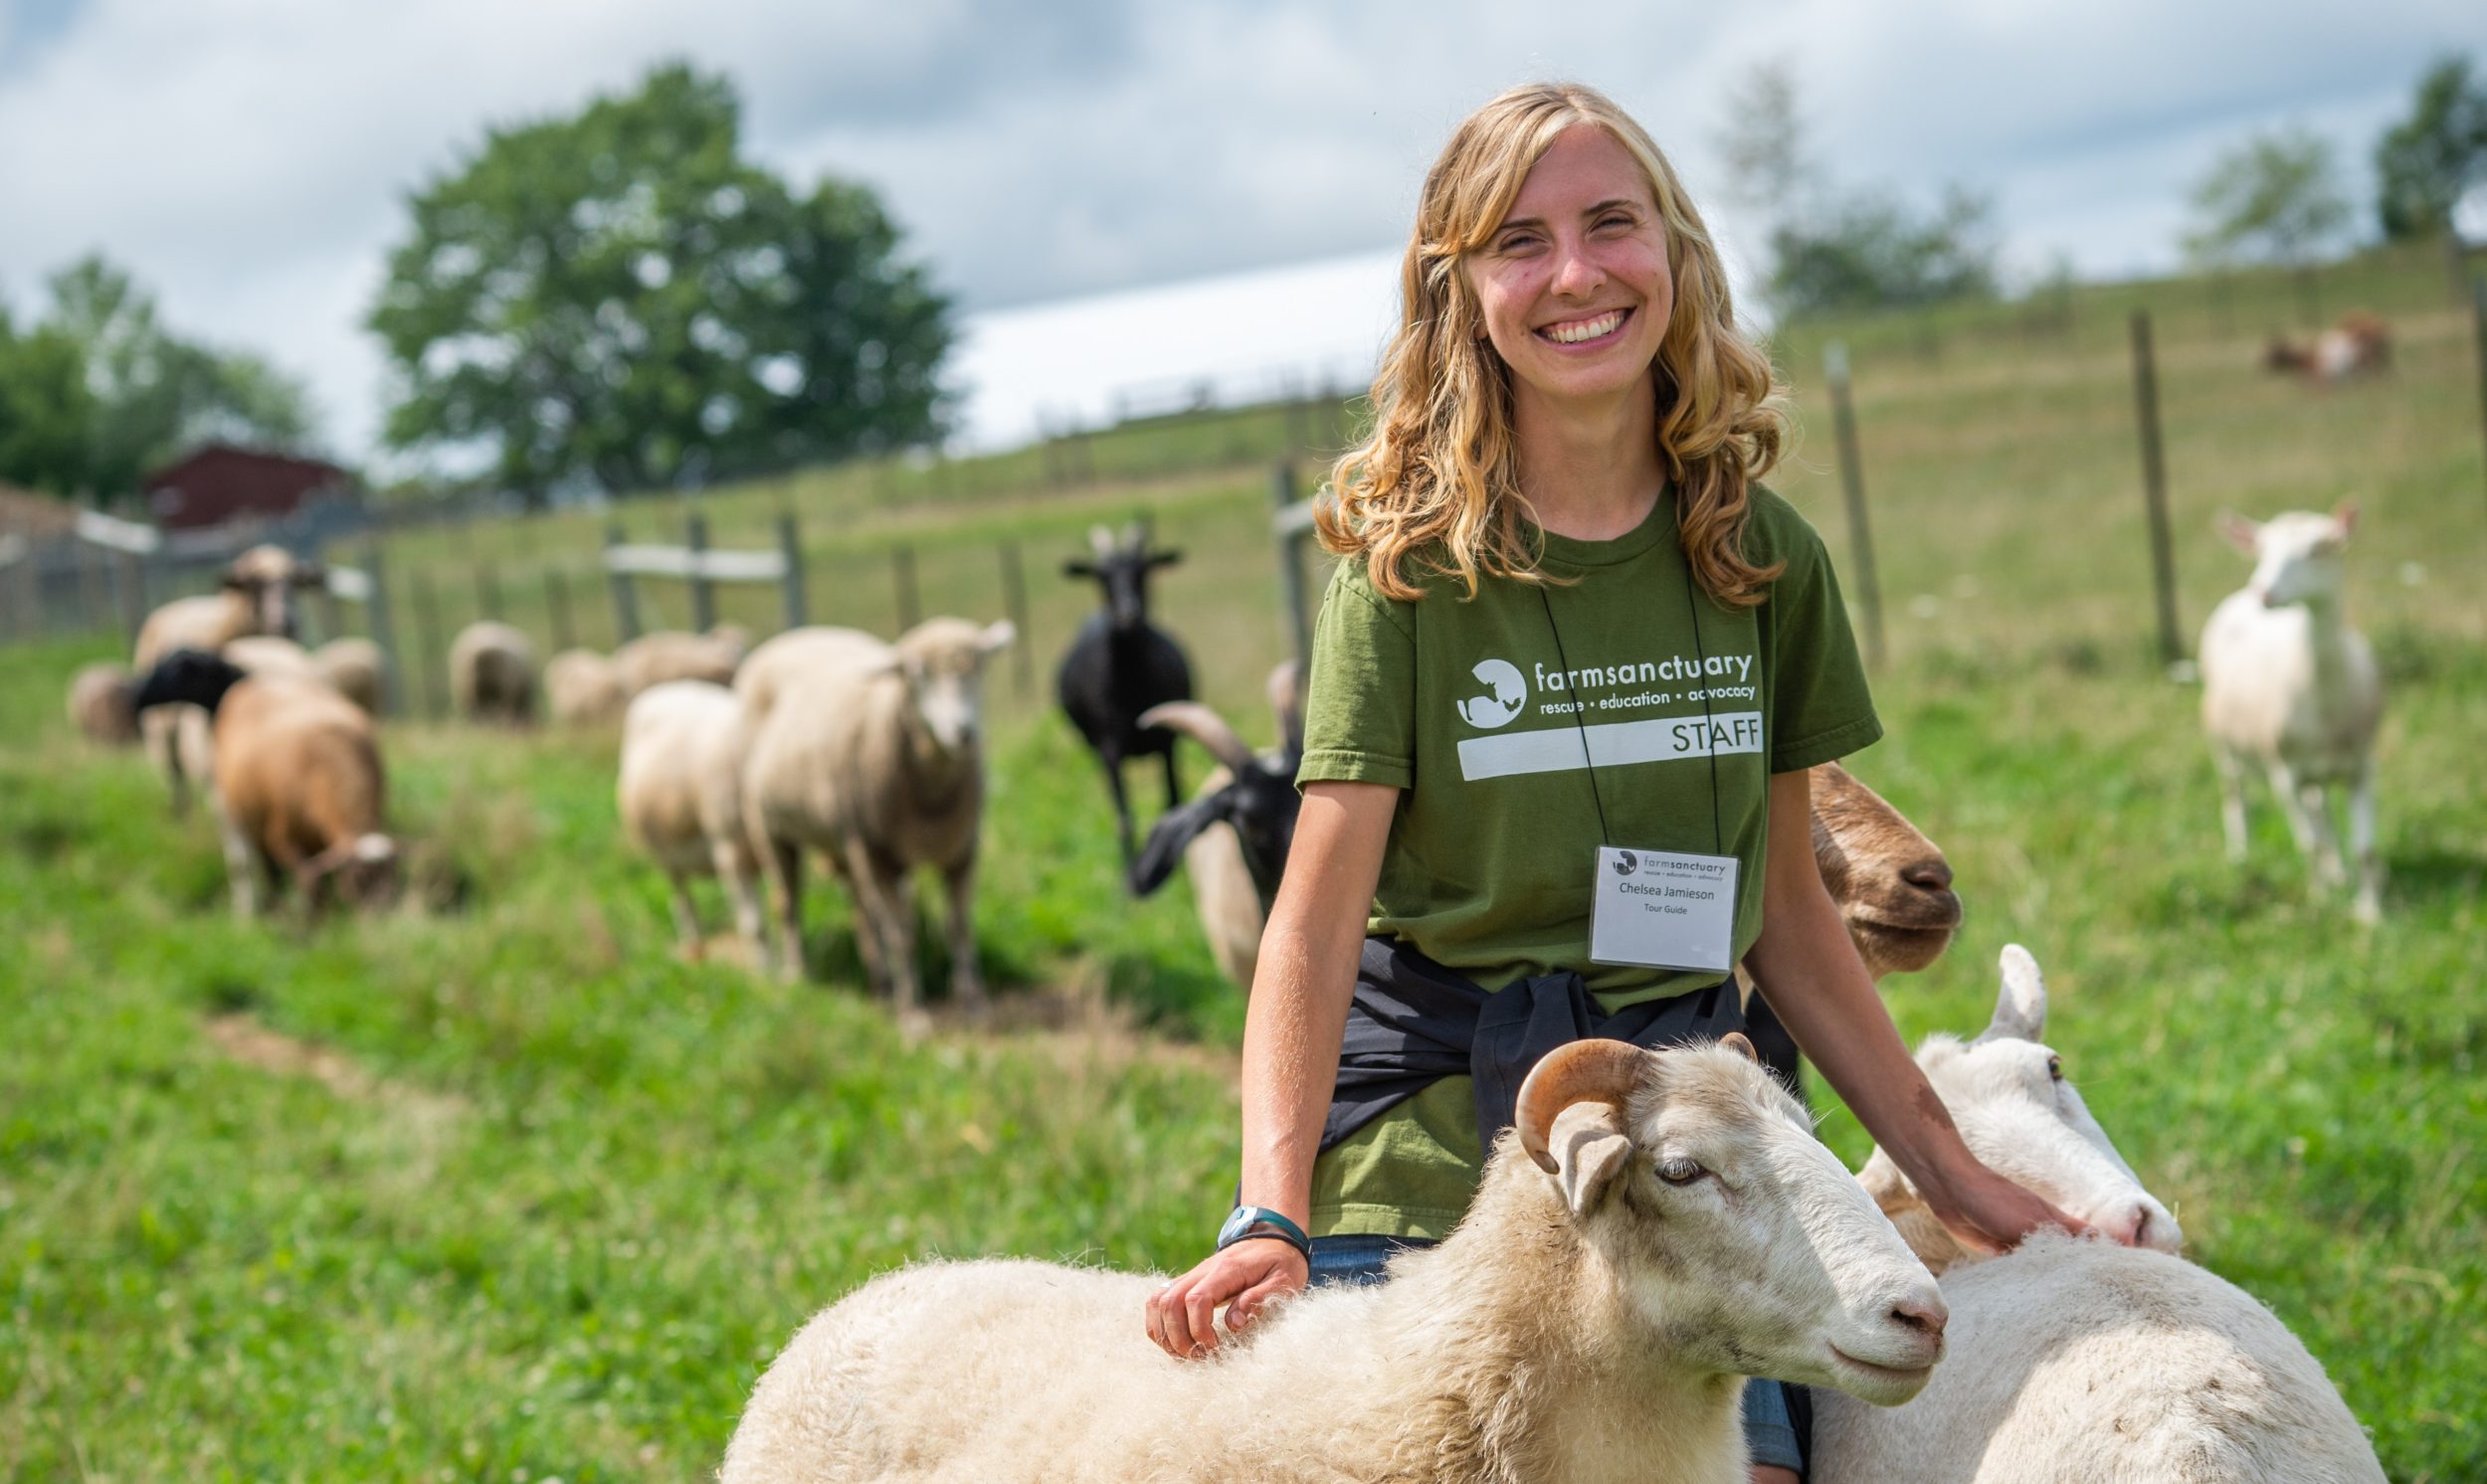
1576	695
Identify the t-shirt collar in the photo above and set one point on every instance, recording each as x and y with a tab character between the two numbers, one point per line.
1564	553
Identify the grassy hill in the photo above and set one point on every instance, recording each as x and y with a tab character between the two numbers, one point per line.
498	1188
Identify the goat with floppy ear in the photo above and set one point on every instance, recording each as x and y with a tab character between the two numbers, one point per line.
1120	665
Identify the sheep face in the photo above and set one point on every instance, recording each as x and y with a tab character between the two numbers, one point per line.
942	661
2023	1119
269	576
1892	884
365	872
2297	556
1738	1240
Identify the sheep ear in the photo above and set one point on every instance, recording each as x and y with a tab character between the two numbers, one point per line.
1590	1151
2021	1008
997	637
1734	1040
2245	536
1078	567
1165	558
1174	833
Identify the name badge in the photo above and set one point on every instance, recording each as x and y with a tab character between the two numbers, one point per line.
1658	909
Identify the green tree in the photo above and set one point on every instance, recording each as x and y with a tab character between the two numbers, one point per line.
101	391
2428	162
620	297
2275	198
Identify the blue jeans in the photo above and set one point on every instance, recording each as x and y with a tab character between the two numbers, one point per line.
1359	1258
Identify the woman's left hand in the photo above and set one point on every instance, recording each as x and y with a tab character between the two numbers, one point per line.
1987	1214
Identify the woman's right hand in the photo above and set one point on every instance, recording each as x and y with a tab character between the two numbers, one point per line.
1182	1315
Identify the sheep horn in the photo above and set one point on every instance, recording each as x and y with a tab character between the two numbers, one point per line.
1583	1072
1203	726
1100	541
1286	699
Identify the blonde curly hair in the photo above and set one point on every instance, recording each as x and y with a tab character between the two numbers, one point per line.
1434	490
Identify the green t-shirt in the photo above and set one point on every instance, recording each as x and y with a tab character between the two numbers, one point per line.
1468	707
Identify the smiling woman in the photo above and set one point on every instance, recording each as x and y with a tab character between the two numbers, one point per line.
1570	432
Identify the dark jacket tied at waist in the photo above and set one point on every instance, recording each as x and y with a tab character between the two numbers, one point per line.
1413	1021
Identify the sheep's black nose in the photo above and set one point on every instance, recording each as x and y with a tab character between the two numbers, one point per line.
1931	874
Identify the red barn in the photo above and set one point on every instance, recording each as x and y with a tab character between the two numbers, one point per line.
220	483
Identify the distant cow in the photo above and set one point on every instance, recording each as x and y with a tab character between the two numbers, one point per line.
2359	345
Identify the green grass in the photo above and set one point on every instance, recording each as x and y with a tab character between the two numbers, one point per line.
526	1196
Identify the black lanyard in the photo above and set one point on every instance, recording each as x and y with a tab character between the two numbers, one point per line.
1709	733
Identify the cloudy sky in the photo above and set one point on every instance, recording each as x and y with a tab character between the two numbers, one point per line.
248	159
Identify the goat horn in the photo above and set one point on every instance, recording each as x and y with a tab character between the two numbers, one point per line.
1286	699
1100	541
1584	1072
1203	726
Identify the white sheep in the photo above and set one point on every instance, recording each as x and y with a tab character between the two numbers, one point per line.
356	669
680	796
581	688
2074	1362
1657	1225
869	754
492	673
256	597
670	654
2289	688
298	785
98	703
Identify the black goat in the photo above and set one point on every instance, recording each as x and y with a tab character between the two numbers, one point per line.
1121	664
1258	800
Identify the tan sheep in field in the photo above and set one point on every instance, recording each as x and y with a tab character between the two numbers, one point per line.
2077	1361
492	673
257	596
869	754
581	688
299	791
1657	1227
356	669
670	654
100	703
681	797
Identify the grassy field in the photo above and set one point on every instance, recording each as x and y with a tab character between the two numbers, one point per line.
497	1188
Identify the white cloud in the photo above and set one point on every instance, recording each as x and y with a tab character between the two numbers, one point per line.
246	157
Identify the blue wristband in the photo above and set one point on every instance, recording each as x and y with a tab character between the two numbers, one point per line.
1249	1221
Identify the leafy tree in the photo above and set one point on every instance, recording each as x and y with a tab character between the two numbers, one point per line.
2428	162
101	391
1832	250
2275	198
620	297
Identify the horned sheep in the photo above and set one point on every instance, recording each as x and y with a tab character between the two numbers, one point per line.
299	783
1657	1225
492	673
256	596
2289	688
680	796
869	754
2075	1361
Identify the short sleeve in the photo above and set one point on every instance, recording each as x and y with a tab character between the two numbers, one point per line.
1821	708
1360	705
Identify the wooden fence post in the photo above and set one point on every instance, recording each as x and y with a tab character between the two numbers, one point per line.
702	591
557	610
1015	603
2479	328
791	584
902	575
393	694
434	683
625	597
1291	566
1852	485
2155	487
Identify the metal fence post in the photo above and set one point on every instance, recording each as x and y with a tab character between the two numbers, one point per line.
2155	487
790	584
625	597
376	621
702	591
1291	565
1852	485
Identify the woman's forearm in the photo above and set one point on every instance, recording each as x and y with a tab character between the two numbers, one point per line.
1301	989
